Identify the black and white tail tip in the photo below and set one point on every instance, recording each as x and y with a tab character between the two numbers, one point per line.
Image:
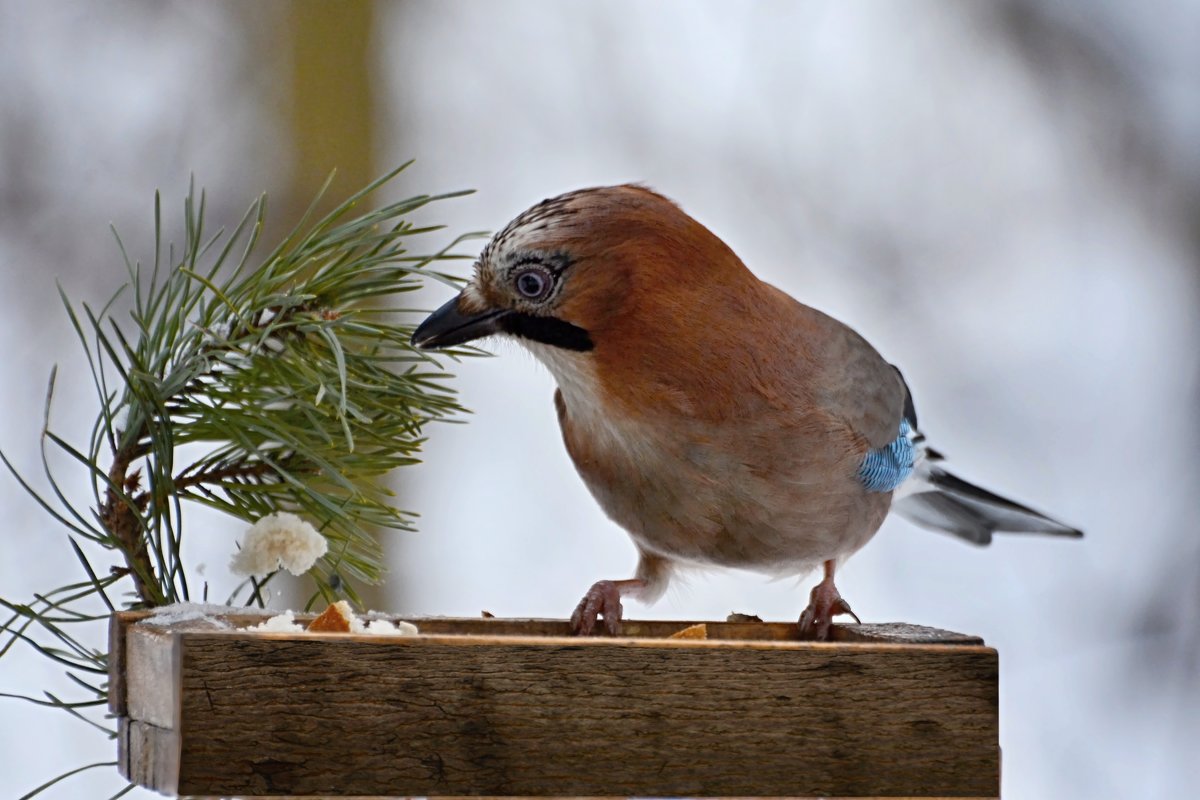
937	499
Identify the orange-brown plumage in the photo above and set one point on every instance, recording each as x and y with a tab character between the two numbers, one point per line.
715	418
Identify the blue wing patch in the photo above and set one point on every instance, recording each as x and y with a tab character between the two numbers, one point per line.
885	468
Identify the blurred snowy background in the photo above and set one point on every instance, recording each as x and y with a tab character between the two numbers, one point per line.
1004	198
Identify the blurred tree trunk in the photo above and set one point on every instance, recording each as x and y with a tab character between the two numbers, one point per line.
332	111
325	49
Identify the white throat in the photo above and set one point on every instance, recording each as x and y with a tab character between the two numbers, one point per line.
574	372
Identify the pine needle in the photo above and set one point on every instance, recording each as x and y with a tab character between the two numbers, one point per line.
286	378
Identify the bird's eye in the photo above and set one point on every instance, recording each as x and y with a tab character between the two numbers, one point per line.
533	284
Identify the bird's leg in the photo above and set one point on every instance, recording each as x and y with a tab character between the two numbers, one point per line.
823	605
603	600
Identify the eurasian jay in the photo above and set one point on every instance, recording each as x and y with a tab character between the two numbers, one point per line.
713	417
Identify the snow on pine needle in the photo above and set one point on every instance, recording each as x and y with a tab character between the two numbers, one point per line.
278	541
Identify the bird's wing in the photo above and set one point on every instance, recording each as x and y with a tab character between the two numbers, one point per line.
857	386
910	408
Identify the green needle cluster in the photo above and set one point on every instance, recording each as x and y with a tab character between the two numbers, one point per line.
249	383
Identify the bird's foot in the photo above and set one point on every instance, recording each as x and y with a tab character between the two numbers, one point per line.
602	600
824	604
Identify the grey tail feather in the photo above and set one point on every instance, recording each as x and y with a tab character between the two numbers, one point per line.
945	502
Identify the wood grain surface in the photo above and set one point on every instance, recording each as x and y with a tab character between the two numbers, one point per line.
515	713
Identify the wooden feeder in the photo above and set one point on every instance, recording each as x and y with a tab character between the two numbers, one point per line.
519	708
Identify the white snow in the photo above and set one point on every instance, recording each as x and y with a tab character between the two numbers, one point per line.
383	627
370	624
177	613
281	539
281	623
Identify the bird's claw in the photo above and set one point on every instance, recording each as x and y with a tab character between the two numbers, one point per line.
825	603
602	600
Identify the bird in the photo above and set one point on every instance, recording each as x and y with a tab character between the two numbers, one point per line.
714	418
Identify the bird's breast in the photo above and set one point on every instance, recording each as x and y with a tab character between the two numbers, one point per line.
771	491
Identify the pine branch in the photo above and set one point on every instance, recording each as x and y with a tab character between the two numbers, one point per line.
282	378
119	518
219	475
302	391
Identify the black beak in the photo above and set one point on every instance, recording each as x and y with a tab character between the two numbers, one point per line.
448	326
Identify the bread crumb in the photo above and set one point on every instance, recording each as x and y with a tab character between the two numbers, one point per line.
691	632
336	619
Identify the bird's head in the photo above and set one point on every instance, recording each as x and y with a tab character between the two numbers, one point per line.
570	269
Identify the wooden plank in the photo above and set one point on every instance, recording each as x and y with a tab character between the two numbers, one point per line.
337	715
514	708
117	625
151	679
899	633
148	755
895	632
